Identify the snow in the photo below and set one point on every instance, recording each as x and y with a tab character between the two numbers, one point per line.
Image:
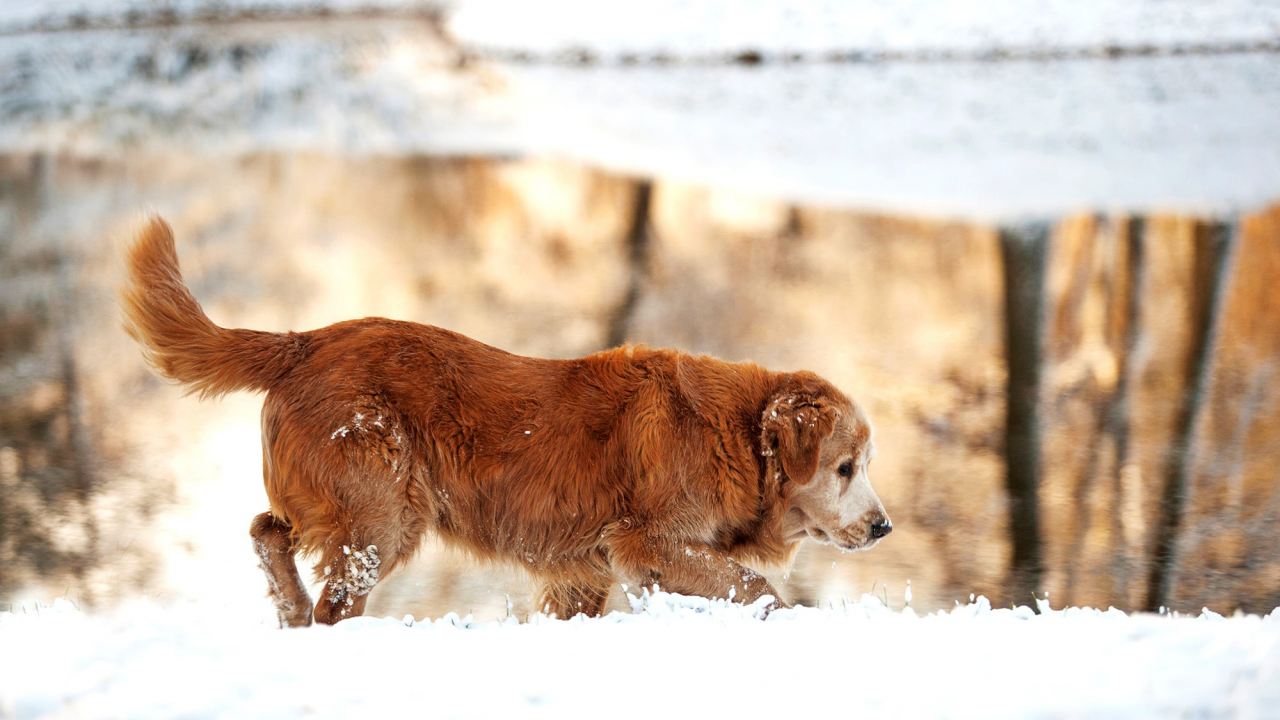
360	576
673	656
42	15
984	110
711	29
968	139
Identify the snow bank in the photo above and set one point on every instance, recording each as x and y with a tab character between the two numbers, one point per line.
672	657
18	16
712	28
982	140
1060	106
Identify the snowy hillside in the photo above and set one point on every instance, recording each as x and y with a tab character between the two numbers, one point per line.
982	110
921	29
674	657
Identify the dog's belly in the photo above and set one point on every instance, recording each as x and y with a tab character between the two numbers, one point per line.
532	520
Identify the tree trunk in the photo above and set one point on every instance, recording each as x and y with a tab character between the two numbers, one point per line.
1025	251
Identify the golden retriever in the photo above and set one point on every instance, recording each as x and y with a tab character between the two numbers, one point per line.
632	464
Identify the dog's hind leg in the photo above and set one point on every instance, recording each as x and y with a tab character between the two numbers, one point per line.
348	580
351	569
284	585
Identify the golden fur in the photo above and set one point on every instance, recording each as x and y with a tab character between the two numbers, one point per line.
632	464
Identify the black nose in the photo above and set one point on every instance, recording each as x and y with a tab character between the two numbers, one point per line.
880	529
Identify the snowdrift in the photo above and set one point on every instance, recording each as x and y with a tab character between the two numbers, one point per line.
673	656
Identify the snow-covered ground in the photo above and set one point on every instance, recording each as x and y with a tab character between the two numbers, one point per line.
712	29
986	110
674	657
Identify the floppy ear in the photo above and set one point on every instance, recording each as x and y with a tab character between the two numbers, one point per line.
793	433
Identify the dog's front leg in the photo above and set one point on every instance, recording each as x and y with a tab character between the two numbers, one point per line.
690	569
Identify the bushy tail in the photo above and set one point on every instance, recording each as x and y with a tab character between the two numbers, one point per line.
178	339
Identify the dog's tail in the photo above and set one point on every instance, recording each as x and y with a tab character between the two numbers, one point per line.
178	339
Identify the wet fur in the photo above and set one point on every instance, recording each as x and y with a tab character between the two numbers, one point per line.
632	464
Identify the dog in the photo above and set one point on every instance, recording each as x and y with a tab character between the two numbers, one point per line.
653	467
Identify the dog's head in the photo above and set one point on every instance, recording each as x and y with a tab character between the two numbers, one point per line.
819	443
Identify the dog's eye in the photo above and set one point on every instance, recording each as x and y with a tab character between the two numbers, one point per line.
846	469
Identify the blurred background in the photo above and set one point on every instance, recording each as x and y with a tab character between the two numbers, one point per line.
1038	241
